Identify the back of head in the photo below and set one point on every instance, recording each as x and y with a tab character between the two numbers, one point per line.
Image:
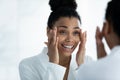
57	4
62	8
113	15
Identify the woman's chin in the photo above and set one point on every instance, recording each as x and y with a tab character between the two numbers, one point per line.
66	53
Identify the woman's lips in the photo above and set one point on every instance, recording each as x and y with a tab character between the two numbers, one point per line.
68	48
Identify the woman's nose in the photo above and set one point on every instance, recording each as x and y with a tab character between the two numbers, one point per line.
69	38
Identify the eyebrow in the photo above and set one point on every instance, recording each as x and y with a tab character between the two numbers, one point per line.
67	27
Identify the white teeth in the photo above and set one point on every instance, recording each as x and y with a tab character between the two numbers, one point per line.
68	47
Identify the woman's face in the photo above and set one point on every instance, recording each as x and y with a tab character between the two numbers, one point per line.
68	31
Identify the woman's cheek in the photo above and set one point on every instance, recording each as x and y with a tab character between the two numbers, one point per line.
77	39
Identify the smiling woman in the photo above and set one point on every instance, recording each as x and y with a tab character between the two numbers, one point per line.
69	35
22	32
64	35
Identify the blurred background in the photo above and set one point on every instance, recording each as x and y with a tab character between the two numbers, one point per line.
23	30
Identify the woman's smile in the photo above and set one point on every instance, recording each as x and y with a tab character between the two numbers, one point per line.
67	48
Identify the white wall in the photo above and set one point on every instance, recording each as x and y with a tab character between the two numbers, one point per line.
9	54
92	14
23	30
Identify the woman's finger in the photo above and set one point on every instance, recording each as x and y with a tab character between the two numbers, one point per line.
54	36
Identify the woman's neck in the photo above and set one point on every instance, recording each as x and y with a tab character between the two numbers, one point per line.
64	61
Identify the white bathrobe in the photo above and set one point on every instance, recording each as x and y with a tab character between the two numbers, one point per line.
39	68
107	68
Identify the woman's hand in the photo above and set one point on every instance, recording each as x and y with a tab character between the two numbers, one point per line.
53	46
81	50
99	44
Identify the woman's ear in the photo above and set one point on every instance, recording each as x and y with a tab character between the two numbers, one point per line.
106	28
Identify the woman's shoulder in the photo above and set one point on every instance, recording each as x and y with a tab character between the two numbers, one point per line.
37	59
29	60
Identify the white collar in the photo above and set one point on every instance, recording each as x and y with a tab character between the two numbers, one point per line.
73	63
115	50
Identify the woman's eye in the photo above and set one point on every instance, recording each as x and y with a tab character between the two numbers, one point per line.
76	33
62	32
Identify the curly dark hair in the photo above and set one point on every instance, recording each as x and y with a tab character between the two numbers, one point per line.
113	15
62	8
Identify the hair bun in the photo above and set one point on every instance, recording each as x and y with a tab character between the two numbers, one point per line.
115	0
56	4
